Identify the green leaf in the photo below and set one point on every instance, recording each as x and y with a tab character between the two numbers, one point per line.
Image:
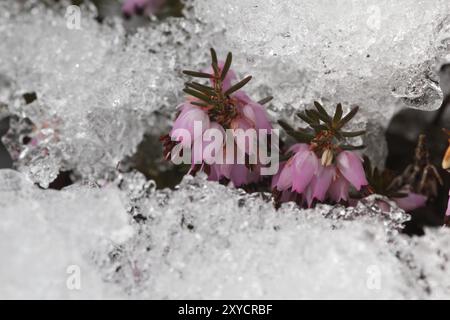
304	117
349	147
200	87
197	94
347	117
197	74
322	113
337	114
297	135
313	115
226	66
214	57
199	104
215	63
399	195
352	134
238	85
265	100
319	127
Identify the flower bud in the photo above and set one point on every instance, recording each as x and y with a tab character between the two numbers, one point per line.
327	157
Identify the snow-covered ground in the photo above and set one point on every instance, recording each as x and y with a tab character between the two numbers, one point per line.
205	240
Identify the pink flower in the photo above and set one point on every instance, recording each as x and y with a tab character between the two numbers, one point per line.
306	166
339	189
320	184
304	174
350	165
147	7
188	116
411	201
286	195
246	114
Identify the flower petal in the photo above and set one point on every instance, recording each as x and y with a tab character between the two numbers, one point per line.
350	165
411	201
305	166
187	119
321	182
339	189
284	180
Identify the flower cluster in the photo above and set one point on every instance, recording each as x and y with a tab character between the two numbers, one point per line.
220	105
321	165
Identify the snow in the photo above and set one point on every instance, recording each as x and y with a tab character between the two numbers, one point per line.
205	240
45	232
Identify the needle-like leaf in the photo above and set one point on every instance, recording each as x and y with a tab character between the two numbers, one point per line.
337	114
197	94
319	127
352	134
215	63
214	57
238	85
297	135
200	87
304	117
323	115
226	66
197	74
349	147
265	100
312	114
200	104
347	117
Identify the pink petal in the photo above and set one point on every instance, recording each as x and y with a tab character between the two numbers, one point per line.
131	7
276	176
298	147
321	182
242	98
284	180
339	189
214	172
411	201
350	165
305	166
261	117
186	121
207	157
241	123
239	175
254	175
225	170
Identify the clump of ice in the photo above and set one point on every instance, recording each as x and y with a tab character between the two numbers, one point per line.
350	51
49	238
99	88
106	88
204	240
380	55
